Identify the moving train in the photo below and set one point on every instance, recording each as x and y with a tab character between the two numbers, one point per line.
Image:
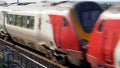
104	45
61	31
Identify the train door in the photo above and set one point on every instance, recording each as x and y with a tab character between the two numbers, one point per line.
103	42
45	30
56	25
64	35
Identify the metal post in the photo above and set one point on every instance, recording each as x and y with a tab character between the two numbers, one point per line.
8	59
21	61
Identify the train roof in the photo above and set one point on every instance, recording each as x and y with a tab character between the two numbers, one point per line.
60	8
112	13
49	7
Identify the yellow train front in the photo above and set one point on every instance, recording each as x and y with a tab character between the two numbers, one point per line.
84	16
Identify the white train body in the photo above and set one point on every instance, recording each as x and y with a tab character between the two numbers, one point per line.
35	27
28	25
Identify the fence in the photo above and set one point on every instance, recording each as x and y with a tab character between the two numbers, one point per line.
11	58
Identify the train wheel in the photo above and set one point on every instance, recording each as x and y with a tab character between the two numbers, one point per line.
61	58
56	57
7	37
1	36
50	55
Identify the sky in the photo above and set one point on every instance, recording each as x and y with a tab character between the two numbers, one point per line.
11	1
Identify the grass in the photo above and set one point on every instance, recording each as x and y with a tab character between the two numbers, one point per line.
3	65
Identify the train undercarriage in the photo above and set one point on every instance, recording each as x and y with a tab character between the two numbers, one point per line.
56	55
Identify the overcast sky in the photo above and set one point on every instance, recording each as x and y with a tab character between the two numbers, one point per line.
55	0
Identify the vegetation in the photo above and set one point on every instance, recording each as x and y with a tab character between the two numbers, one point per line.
3	65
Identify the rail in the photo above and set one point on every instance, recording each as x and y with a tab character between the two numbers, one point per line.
25	58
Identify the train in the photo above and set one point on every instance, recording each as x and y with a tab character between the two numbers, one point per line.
66	32
103	49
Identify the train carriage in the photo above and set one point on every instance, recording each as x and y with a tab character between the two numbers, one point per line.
56	29
103	49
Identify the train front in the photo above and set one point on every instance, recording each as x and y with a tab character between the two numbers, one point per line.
72	30
104	45
84	16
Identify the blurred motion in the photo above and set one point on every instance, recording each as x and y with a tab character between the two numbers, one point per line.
83	34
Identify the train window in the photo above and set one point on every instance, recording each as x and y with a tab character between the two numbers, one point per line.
18	20
65	23
13	20
31	22
24	21
100	26
9	18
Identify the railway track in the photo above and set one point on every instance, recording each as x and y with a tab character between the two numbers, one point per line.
35	57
